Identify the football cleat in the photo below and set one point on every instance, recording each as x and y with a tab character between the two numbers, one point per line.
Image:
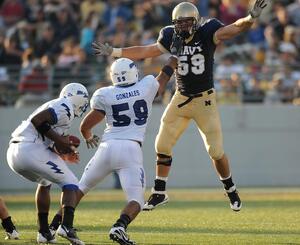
156	199
14	235
69	234
45	237
235	201
119	235
52	231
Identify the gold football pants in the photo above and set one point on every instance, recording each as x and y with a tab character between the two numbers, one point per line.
204	111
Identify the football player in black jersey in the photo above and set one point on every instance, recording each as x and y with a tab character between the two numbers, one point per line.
193	40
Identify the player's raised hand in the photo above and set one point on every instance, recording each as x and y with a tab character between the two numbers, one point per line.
101	49
257	8
176	45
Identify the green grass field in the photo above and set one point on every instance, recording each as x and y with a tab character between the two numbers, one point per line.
202	216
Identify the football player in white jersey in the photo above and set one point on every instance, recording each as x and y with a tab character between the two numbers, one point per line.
30	155
126	106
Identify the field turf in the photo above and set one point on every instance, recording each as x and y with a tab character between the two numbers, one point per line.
193	216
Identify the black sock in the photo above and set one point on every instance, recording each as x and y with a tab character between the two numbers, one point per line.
43	222
56	221
68	216
159	185
227	183
123	221
8	225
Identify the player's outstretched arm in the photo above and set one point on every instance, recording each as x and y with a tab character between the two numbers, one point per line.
89	121
242	24
133	53
166	73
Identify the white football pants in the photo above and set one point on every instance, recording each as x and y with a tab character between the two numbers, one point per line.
37	163
123	156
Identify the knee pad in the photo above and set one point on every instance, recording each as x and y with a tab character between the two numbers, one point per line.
163	159
70	187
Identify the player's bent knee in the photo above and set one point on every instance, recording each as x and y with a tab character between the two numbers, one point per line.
139	202
83	188
216	153
163	159
70	187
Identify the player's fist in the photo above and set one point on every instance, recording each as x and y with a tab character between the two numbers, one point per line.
257	8
101	49
176	45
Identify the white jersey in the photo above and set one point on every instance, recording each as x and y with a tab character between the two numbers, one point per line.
63	113
127	109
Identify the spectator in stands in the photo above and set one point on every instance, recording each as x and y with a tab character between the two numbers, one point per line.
252	91
114	10
119	35
27	62
288	54
281	21
10	53
91	6
33	11
71	54
256	35
274	93
293	11
65	26
230	11
272	43
296	93
11	12
87	35
34	80
48	45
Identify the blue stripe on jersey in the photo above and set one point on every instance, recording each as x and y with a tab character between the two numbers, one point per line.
53	113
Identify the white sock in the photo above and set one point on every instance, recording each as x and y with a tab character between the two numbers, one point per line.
162	178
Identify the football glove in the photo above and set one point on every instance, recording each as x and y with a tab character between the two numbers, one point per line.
102	49
257	8
92	141
176	45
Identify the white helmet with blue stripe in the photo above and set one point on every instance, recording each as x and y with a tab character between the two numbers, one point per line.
78	95
123	72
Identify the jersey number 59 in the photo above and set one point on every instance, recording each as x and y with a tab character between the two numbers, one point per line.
140	111
197	64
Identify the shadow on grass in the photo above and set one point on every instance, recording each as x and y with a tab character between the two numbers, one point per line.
116	205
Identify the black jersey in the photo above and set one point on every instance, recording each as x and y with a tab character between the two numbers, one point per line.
195	63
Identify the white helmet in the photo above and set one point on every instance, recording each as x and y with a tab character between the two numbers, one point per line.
78	95
123	72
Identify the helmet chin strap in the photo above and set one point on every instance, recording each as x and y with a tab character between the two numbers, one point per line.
185	34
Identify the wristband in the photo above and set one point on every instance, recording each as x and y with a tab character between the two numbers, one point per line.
168	70
117	52
250	18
